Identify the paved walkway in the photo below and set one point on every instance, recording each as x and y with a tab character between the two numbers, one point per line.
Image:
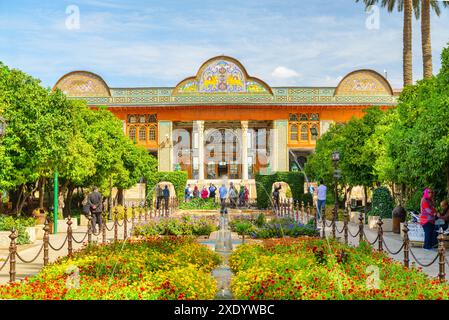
394	242
28	252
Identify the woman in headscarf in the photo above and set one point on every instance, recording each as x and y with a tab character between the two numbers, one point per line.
427	219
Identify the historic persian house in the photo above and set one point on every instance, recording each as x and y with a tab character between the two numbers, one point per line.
224	123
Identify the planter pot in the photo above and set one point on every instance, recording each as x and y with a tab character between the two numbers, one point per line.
372	222
40	218
39	231
4	239
354	217
62	225
31	233
83	220
388	225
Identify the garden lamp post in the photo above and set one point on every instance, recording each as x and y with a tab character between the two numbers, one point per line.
337	175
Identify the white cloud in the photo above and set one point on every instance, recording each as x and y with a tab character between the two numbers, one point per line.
284	73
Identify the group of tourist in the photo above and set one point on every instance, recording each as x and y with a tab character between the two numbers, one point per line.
237	198
431	219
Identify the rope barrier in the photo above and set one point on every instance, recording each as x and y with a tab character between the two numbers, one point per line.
352	235
4	263
120	225
447	262
328	225
76	241
391	252
421	264
32	260
96	234
366	238
112	228
62	246
342	229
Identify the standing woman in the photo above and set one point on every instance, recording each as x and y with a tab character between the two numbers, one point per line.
427	219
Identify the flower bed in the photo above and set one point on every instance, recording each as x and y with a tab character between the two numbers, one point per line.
259	228
186	226
313	269
156	268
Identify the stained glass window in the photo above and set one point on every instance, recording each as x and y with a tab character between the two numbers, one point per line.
294	132
315	117
293	117
143	134
152	134
304	117
304	133
132	133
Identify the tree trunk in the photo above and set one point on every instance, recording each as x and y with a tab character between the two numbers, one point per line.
41	188
426	40
447	180
407	39
120	197
68	201
365	191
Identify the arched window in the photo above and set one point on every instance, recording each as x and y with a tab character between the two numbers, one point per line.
315	130
152	134
293	117
304	133
143	134
304	117
132	133
294	132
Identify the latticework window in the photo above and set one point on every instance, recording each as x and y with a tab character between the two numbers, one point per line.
132	133
143	134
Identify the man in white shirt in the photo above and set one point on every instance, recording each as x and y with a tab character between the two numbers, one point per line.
322	189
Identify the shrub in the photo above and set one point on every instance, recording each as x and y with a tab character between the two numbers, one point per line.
7	223
177	226
199	204
382	204
414	202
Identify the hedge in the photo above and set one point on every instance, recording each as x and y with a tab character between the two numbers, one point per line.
177	178
264	184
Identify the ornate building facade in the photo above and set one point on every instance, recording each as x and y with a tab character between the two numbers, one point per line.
223	123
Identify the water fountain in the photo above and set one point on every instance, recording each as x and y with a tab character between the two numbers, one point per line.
224	239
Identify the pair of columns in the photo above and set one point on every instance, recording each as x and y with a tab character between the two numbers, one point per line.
244	156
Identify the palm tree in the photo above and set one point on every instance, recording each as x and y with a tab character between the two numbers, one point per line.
409	7
425	33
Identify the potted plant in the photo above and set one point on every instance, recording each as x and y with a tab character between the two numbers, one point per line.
382	206
40	216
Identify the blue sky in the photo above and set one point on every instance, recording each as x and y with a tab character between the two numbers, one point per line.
140	43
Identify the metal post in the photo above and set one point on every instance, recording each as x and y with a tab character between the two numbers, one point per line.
361	227
125	224
46	240
140	214
104	231
89	229
380	232
55	202
345	227
334	222
69	237
116	225
406	245
304	218
323	220
133	215
441	251
12	255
